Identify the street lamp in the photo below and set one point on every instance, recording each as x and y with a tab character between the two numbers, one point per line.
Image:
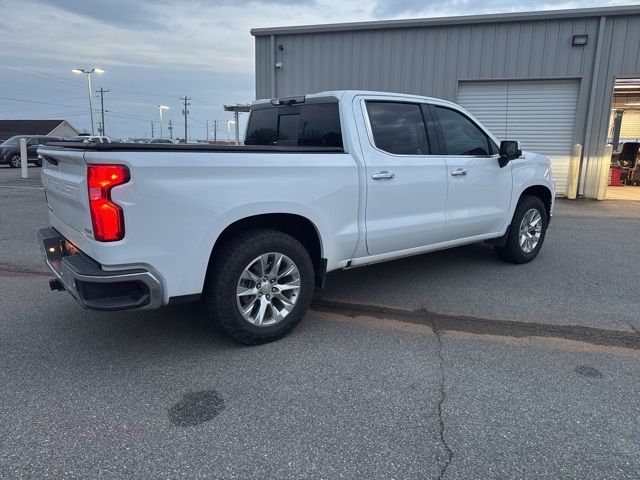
88	74
160	109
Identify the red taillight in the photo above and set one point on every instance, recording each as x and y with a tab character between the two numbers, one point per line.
106	216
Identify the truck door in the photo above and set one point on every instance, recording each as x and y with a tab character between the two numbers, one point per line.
479	193
406	183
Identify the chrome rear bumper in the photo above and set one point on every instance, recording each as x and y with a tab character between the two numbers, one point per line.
93	287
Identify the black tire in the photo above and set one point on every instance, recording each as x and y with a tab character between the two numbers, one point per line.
512	251
230	261
15	161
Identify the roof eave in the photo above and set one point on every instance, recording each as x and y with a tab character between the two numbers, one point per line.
443	21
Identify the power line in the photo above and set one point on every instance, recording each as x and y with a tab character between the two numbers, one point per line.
42	103
37	72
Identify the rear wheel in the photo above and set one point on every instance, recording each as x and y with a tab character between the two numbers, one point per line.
527	231
15	161
259	287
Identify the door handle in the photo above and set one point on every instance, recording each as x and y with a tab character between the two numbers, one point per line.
383	175
459	172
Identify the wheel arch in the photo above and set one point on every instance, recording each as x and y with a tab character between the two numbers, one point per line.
297	226
543	193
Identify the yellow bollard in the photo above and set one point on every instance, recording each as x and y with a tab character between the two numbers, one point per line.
603	177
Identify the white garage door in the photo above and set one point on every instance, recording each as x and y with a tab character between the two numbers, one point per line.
541	114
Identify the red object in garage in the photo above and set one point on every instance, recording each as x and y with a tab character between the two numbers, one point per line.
614	177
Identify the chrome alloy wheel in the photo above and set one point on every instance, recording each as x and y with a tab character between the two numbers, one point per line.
268	289
530	230
16	160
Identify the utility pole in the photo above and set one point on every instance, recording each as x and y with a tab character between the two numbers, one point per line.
102	91
170	130
152	134
207	131
185	112
100	128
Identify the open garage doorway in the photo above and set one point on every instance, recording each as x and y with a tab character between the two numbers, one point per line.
624	136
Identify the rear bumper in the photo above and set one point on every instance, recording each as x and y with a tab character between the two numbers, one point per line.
93	287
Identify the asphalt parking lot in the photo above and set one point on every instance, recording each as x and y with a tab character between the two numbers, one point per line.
448	365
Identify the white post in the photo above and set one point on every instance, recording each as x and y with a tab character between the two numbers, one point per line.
23	158
237	127
574	170
603	177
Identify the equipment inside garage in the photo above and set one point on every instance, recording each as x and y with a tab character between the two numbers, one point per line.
624	135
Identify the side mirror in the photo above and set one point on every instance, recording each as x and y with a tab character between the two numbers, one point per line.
509	150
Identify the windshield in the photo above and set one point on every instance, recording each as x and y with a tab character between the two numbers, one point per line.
12	141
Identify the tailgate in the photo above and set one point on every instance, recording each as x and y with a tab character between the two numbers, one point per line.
64	178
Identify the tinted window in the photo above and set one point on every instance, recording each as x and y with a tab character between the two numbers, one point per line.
312	125
12	141
460	135
288	129
398	128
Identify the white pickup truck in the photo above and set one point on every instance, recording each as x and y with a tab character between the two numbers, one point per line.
326	181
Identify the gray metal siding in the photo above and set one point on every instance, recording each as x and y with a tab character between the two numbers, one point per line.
427	61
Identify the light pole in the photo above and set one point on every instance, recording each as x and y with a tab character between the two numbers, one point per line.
88	74
160	109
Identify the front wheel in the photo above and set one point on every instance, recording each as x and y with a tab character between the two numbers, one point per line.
527	231
259	286
15	161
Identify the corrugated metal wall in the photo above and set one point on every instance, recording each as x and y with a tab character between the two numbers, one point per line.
433	60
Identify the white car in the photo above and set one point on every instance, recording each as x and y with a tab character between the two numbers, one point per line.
89	138
326	181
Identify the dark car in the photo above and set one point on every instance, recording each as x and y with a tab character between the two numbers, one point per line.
10	149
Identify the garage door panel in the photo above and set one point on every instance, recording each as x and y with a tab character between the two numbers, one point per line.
541	114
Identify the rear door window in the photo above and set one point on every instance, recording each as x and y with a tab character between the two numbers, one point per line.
309	125
398	127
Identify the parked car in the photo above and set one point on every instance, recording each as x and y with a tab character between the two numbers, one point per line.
326	181
89	138
10	149
150	140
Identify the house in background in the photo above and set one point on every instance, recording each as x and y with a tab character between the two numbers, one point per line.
58	128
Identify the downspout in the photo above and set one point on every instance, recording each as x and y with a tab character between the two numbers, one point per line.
592	102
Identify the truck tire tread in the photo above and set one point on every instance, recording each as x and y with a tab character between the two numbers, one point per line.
229	261
511	251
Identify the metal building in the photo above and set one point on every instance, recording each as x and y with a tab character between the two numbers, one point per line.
545	78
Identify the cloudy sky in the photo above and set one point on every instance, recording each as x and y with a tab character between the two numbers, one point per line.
156	51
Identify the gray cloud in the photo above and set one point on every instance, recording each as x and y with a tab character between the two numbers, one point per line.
397	8
146	13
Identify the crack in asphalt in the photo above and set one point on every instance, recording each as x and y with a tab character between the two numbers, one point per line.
441	400
486	326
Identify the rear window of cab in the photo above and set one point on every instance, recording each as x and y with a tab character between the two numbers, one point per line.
307	125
